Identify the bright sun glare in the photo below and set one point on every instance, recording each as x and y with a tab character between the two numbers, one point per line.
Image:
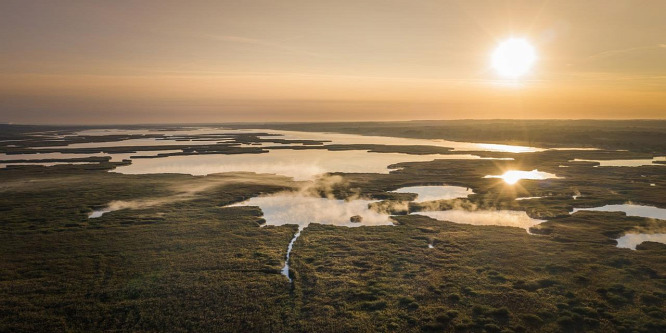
513	57
513	176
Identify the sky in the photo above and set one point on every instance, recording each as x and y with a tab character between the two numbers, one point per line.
94	62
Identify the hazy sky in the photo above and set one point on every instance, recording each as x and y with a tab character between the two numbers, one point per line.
219	61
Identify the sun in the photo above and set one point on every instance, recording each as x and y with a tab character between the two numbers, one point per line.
513	57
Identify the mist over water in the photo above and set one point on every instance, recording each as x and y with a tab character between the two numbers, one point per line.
302	209
189	191
507	218
431	193
98	213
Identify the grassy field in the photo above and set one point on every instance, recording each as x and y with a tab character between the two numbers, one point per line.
179	261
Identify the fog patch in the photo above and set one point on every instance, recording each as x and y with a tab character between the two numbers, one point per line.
315	203
507	218
98	213
301	209
190	190
134	204
432	193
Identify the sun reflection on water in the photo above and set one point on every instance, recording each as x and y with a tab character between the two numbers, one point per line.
513	176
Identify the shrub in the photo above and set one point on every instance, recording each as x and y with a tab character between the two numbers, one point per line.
454	297
532	320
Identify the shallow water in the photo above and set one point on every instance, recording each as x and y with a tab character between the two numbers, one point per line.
527	198
152	130
99	212
172	137
625	163
513	176
143	142
630	210
57	155
630	241
285	269
431	193
299	164
46	164
300	209
331	138
507	218
297	208
339	138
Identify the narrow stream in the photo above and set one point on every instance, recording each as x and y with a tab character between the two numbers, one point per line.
302	209
285	268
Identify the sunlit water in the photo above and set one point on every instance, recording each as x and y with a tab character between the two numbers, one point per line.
330	138
300	209
143	142
626	163
514	176
99	212
630	210
630	241
527	198
61	156
182	137
507	218
431	193
46	164
299	164
340	138
153	130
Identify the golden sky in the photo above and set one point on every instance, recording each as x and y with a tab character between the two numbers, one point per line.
222	61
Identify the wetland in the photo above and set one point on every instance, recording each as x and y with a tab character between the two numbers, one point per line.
404	226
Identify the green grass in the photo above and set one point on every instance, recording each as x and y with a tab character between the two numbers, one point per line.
189	265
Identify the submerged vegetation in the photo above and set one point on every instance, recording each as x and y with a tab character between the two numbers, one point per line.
177	255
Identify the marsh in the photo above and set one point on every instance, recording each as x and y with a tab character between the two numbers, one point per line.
329	228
